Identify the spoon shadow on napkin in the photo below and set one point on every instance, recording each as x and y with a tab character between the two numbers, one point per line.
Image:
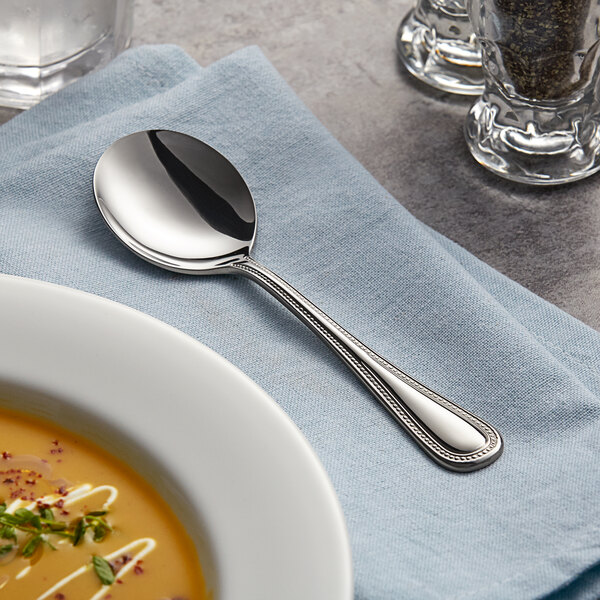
526	527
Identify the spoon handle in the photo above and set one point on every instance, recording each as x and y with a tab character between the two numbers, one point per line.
452	436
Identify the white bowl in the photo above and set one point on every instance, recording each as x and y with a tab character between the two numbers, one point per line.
240	475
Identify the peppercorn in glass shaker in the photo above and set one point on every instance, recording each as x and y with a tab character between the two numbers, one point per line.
538	120
436	43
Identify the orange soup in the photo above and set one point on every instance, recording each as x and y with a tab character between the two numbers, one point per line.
77	524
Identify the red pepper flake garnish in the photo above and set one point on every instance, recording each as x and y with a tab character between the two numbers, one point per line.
30	481
6	455
8	480
138	569
59	503
119	581
55	442
120	562
59	596
64	512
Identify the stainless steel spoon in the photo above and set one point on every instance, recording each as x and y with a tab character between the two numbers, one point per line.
179	204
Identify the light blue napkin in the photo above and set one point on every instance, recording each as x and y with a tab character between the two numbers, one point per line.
528	526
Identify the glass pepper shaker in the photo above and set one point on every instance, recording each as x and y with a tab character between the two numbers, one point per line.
538	119
436	43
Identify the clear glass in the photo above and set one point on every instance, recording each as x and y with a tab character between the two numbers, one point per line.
436	43
538	118
47	44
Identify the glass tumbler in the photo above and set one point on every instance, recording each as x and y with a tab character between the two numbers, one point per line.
47	44
436	43
538	119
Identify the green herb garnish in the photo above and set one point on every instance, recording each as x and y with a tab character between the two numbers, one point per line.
100	532
103	570
38	527
24	515
8	533
46	513
31	546
79	532
94	521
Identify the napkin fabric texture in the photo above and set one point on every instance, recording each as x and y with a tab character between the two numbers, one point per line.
526	527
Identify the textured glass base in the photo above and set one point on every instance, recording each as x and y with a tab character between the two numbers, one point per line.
451	64
532	144
24	86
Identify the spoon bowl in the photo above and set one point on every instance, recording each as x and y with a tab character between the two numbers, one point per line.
175	201
181	205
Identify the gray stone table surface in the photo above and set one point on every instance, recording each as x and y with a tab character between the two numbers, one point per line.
339	56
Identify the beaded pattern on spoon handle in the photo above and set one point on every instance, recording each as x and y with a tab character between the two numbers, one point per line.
342	343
